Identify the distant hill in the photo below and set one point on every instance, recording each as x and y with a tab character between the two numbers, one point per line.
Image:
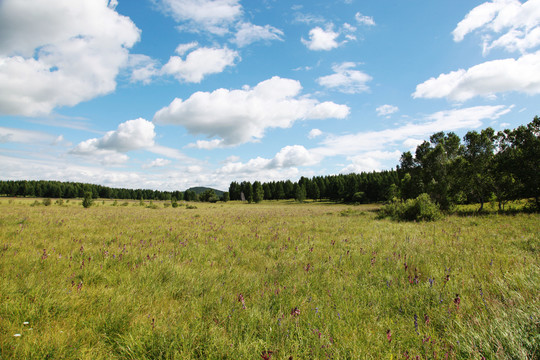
200	189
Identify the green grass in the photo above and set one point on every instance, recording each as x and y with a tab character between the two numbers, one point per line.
133	282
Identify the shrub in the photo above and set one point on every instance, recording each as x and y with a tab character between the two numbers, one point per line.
420	209
87	201
47	202
59	202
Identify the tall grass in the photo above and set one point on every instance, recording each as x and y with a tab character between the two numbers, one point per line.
271	280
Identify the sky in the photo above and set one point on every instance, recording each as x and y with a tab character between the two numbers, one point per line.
170	94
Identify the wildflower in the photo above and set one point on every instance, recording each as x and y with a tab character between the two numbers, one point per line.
267	354
241	299
389	336
295	311
17	335
416	324
426	319
457	300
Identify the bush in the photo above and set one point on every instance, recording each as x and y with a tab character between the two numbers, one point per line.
88	200
47	202
420	209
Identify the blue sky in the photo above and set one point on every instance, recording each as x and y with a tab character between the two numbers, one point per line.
169	94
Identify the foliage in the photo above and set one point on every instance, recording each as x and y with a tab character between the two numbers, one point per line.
208	196
420	209
47	202
88	200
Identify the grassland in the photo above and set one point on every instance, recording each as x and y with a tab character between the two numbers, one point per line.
273	281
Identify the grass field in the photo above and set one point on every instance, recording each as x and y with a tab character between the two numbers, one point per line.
276	280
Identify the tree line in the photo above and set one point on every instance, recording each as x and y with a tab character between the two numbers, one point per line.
486	166
361	188
69	190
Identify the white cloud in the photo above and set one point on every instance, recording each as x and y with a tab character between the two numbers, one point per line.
345	79
248	33
450	120
371	161
214	16
518	22
239	116
143	68
157	163
59	53
194	68
314	133
411	144
184	48
291	156
386	110
199	63
12	135
110	149
364	20
320	39
284	165
486	79
206	145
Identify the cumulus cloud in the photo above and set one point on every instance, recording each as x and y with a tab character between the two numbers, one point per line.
284	165
386	110
206	144
314	133
157	163
321	39
142	67
59	53
486	79
248	33
199	63
239	116
364	20
214	16
111	148
194	68
507	24
345	79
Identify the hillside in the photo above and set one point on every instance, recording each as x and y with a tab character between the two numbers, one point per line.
200	189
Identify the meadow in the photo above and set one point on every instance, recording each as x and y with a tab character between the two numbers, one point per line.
275	280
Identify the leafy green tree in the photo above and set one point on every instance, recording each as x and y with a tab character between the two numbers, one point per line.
300	193
478	156
88	199
258	192
519	154
208	196
225	197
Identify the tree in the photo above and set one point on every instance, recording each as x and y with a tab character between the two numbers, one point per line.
225	197
478	160
300	193
258	192
519	152
88	199
208	196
